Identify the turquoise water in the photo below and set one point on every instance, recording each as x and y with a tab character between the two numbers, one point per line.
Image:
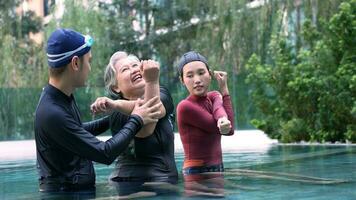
280	172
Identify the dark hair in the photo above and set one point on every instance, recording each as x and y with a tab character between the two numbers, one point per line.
57	72
190	57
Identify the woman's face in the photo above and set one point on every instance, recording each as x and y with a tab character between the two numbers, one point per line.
196	78
129	78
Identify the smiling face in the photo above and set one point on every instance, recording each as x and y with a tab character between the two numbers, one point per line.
196	78
129	78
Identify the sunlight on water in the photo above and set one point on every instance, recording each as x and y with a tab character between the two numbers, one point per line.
241	141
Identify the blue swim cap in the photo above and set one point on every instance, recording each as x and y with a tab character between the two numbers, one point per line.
64	44
190	57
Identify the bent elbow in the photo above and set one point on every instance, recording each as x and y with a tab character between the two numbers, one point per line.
107	160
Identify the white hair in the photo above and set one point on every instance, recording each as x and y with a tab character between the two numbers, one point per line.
110	71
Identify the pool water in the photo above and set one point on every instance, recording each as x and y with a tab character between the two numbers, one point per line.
279	172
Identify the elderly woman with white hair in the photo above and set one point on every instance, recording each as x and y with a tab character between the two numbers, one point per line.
150	156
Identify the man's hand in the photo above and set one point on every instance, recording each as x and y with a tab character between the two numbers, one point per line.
224	125
221	77
103	105
149	111
150	70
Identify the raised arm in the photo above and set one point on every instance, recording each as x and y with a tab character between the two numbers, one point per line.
230	112
150	73
218	106
225	124
105	105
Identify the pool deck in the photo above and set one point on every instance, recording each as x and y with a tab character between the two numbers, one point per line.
241	141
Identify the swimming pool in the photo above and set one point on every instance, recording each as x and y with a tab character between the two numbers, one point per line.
277	172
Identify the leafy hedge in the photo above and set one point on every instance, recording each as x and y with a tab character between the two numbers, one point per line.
309	94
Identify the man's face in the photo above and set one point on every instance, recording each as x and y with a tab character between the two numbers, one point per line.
84	69
196	78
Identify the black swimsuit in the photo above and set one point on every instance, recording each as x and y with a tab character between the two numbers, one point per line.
66	147
150	158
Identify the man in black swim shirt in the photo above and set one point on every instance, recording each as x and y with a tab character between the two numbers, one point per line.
65	146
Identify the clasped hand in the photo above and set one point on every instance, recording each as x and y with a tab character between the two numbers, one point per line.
150	70
224	125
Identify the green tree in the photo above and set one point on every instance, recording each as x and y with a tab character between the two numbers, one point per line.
18	51
20	66
310	97
226	32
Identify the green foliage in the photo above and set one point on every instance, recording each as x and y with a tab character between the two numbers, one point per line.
21	65
311	96
19	105
18	123
15	25
350	134
226	33
88	21
19	59
294	130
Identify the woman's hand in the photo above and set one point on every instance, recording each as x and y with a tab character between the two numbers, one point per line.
221	77
103	105
150	70
224	125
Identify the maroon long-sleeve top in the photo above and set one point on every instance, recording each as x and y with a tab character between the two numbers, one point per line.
197	124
